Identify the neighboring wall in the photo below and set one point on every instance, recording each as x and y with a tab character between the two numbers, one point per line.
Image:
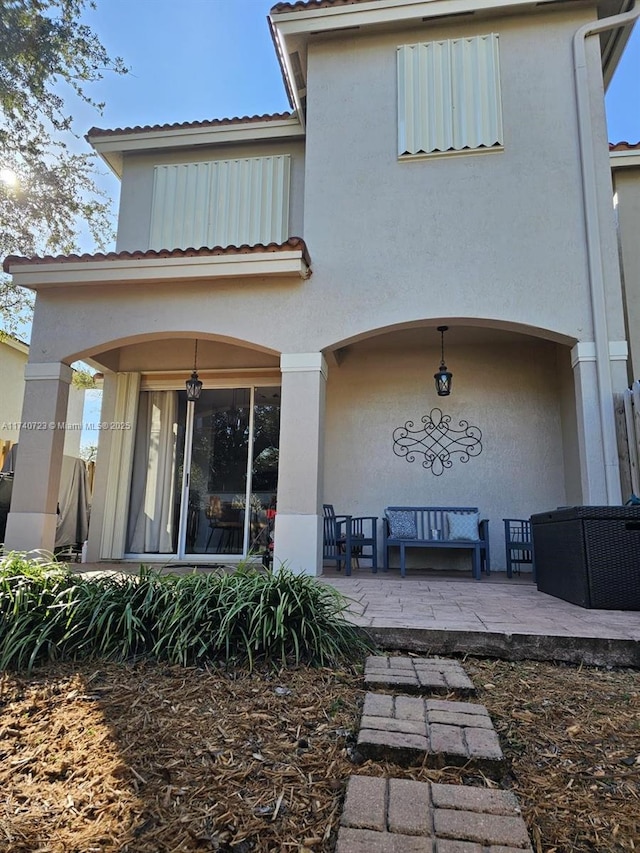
75	414
13	358
627	186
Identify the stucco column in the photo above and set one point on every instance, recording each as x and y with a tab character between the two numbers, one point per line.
590	439
33	517
298	530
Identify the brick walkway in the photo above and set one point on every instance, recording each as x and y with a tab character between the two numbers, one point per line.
409	730
418	675
403	816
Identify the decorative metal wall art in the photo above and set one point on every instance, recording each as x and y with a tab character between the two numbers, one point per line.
437	441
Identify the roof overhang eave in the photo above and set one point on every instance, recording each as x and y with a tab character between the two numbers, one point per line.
625	159
15	343
113	146
292	28
39	275
613	43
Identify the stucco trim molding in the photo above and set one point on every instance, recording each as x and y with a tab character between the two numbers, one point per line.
618	351
304	362
48	370
586	351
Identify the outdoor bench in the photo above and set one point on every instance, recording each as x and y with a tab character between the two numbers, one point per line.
436	527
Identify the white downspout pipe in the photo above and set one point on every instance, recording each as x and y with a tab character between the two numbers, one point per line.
594	248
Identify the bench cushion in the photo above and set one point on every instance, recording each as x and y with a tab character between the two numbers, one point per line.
402	525
463	526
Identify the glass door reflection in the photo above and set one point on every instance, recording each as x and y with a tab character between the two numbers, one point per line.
217	484
264	469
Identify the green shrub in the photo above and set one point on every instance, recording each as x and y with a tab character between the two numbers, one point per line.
47	612
35	597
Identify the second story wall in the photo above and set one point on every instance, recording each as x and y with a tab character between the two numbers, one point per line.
224	195
495	233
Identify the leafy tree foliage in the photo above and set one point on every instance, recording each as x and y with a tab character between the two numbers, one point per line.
47	190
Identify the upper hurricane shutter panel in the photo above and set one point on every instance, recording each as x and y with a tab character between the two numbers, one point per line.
449	95
221	203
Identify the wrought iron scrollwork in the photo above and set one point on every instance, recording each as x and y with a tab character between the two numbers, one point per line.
437	441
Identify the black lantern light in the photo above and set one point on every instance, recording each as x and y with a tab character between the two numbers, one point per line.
443	377
194	386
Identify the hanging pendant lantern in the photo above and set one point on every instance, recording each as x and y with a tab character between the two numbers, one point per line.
443	377
194	385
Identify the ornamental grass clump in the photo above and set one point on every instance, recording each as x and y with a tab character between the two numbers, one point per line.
35	599
113	617
251	614
49	613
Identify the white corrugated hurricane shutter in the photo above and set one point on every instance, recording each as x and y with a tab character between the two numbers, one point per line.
449	95
221	203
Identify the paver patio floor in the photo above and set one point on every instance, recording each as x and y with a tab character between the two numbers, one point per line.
507	618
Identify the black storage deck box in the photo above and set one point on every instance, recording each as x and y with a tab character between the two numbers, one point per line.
589	555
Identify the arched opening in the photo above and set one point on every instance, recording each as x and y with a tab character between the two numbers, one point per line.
505	440
186	480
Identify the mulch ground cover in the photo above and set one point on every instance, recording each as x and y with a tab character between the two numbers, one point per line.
147	758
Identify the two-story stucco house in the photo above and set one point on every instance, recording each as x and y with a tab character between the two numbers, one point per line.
445	163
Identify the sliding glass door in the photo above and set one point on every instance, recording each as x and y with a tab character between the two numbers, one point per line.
205	473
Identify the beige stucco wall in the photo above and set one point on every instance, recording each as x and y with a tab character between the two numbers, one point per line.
134	220
496	234
510	391
627	186
564	379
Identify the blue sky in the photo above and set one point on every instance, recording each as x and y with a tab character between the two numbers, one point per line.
197	59
188	59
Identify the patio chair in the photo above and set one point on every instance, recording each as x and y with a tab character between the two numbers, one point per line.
349	538
519	545
226	521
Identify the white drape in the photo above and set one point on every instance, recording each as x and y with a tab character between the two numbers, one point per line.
152	510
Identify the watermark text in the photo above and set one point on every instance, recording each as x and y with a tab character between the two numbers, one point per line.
69	426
